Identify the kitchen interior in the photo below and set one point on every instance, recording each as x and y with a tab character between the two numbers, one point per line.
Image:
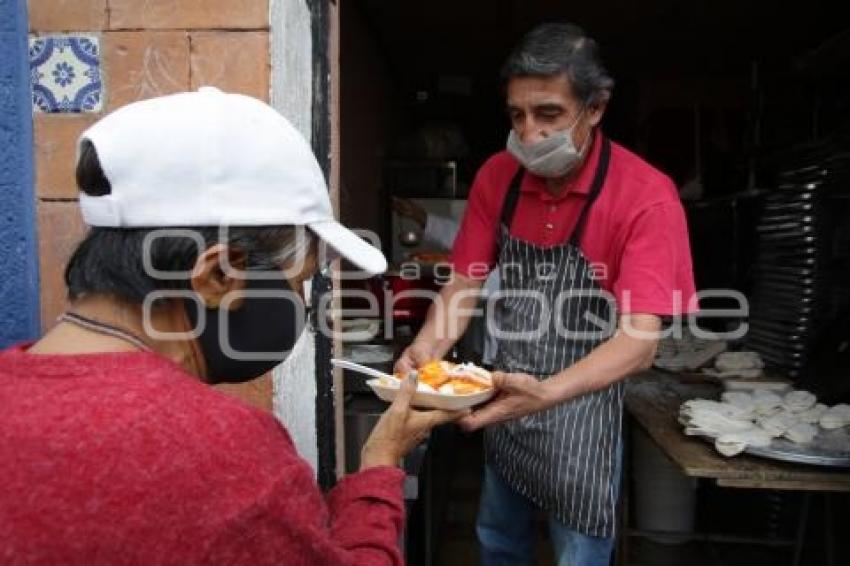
746	105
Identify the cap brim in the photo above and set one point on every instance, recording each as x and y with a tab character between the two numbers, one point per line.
350	246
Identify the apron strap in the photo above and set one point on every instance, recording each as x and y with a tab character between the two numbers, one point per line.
595	189
509	204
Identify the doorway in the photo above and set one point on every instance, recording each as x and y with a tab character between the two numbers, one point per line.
707	91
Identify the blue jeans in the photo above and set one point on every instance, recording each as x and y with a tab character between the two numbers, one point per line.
506	535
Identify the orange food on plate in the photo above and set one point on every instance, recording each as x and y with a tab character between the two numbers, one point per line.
433	374
454	379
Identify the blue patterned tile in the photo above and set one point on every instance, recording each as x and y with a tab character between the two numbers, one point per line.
65	73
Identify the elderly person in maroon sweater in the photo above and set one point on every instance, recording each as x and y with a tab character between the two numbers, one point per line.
114	449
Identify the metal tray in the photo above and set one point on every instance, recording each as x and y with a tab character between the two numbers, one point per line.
768	258
829	448
798	207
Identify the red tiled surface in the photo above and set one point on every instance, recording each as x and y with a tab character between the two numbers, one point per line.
60	228
67	15
232	61
188	14
144	64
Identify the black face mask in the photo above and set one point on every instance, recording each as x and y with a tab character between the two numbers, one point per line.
261	332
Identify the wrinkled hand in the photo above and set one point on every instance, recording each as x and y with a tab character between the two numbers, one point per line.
517	395
401	428
414	356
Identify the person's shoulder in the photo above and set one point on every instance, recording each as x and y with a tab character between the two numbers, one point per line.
195	413
642	180
494	176
498	168
220	434
232	416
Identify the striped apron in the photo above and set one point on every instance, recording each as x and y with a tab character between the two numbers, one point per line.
564	458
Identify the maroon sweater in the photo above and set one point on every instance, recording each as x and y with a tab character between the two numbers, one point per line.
127	459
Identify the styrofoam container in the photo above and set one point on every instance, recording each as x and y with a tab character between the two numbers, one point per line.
429	400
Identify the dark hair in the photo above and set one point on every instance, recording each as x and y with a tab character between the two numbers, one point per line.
555	48
110	260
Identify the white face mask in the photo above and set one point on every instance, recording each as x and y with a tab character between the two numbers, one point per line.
551	157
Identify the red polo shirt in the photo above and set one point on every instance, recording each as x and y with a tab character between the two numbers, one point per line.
636	235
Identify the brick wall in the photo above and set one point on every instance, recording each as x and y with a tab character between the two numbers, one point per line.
146	48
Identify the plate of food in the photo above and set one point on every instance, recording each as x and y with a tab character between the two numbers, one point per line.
442	385
792	427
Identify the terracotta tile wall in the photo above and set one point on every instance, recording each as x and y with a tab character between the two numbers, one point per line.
148	48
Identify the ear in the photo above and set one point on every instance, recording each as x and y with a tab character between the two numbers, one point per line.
210	279
597	109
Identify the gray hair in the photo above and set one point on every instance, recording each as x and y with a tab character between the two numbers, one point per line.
111	261
554	48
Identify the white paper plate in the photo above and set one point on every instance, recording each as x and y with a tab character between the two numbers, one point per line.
428	400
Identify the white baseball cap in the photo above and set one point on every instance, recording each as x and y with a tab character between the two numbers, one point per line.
210	158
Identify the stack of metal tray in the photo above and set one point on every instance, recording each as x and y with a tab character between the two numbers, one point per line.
793	276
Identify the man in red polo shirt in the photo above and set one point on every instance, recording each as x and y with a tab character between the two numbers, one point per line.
593	250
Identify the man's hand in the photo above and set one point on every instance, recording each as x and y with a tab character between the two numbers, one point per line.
414	356
518	394
630	350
